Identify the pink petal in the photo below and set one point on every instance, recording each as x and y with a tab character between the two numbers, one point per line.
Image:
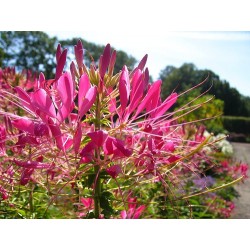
87	202
41	100
109	146
41	81
67	141
173	158
4	193
79	53
104	60
2	140
112	63
139	211
73	70
132	203
88	101
151	146
84	86
56	132
114	171
26	176
143	62
137	90
169	146
87	152
124	88
112	105
168	103
58	52
24	140
154	102
98	137
115	146
41	129
146	80
123	214
32	164
24	124
119	144
152	96
24	98
60	64
65	89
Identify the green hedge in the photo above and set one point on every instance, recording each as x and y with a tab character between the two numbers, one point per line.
237	124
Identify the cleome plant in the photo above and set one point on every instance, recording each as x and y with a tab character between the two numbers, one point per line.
93	144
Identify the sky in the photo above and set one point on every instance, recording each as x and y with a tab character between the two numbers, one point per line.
225	53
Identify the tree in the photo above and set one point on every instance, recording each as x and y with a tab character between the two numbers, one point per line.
31	50
188	75
36	51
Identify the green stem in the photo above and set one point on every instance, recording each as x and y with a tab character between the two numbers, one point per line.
31	200
97	192
97	186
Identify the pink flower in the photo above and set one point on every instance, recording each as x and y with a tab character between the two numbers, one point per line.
37	128
26	176
61	57
79	53
4	193
32	164
244	169
110	146
104	60
86	95
87	202
113	146
2	140
114	171
66	93
134	211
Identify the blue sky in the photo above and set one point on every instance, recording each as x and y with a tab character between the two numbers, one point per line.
225	53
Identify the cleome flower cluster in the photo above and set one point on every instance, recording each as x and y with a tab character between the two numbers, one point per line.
90	140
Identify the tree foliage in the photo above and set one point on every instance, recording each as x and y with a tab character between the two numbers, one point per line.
188	75
35	50
32	50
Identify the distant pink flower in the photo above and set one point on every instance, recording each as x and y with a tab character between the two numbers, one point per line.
134	211
32	164
2	140
4	193
244	168
26	176
114	171
87	202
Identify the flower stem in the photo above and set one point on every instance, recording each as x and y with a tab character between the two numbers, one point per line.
97	186
97	192
31	205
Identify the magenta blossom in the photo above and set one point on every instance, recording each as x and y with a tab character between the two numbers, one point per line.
134	211
91	132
